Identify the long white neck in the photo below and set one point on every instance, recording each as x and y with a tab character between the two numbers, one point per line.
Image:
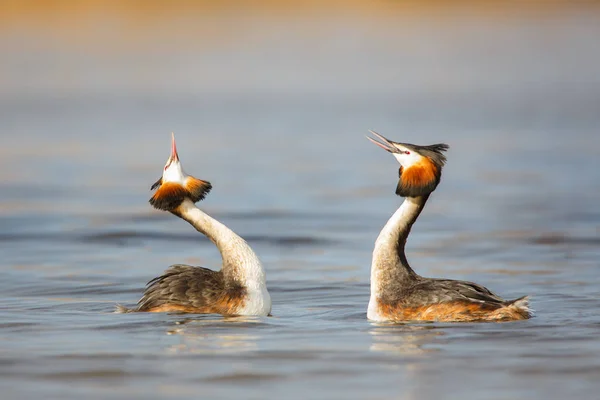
240	263
390	271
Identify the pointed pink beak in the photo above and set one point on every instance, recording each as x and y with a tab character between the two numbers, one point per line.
174	156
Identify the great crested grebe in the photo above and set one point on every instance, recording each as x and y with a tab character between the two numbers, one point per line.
397	292
239	288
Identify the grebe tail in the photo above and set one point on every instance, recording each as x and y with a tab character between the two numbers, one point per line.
239	288
398	293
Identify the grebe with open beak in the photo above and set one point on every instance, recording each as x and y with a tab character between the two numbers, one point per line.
239	288
398	293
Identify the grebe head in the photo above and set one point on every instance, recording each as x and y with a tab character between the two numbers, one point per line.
175	185
420	166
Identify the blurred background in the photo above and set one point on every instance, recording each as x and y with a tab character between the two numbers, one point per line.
270	101
260	90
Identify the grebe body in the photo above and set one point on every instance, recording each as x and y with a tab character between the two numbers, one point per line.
398	293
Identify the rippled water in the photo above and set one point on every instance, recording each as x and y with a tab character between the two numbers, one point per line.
283	144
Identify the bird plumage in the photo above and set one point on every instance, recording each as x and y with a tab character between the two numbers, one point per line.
398	293
239	288
191	289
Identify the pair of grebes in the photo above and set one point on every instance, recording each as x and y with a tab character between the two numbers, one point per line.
398	293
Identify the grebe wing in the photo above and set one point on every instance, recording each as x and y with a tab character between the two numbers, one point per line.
445	290
183	285
473	291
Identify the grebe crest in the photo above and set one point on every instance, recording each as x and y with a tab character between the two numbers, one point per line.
398	293
175	185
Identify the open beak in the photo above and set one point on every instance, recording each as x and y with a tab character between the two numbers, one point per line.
174	156
384	143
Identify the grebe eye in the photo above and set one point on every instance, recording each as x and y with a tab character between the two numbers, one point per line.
407	152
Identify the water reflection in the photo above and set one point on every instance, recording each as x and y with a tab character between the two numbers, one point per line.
213	335
405	339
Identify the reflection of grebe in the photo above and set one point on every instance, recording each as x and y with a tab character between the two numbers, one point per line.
208	335
400	294
405	339
239	288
